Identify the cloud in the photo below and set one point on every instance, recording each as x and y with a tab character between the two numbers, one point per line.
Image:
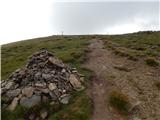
24	19
84	18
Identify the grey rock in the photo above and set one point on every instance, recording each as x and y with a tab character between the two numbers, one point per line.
61	85
53	71
30	102
28	91
44	114
37	92
20	96
3	90
9	85
52	103
44	90
74	71
37	75
52	86
53	95
81	79
46	76
16	86
135	105
64	99
74	81
63	71
57	92
13	93
13	104
42	85
3	83
56	62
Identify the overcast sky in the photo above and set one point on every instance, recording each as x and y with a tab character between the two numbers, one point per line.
24	19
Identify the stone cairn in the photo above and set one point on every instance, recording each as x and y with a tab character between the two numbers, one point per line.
45	77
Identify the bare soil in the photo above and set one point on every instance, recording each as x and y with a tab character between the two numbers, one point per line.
133	78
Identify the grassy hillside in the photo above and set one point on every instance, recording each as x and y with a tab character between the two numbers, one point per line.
136	45
71	49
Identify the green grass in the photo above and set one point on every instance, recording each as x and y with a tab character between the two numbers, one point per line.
70	49
152	62
17	114
134	45
119	102
80	109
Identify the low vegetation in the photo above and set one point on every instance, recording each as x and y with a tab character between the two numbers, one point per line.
70	49
119	102
152	61
80	109
157	84
135	45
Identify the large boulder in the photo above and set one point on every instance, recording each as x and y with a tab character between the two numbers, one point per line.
29	102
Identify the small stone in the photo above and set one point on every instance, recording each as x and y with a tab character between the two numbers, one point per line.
75	83
37	92
57	92
9	85
63	70
52	86
14	103
28	91
3	83
3	90
135	105
46	76
81	79
16	86
42	85
44	114
81	75
74	71
63	91
52	103
53	96
56	62
53	71
37	75
65	99
17	70
44	90
13	93
20	96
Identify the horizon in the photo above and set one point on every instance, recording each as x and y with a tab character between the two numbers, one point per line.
79	35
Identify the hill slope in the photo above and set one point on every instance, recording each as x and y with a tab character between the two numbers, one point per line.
128	72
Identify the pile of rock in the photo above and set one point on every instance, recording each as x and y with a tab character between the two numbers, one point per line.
43	78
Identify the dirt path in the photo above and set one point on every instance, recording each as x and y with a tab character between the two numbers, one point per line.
135	80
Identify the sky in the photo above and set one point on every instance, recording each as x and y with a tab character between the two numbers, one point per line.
26	19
